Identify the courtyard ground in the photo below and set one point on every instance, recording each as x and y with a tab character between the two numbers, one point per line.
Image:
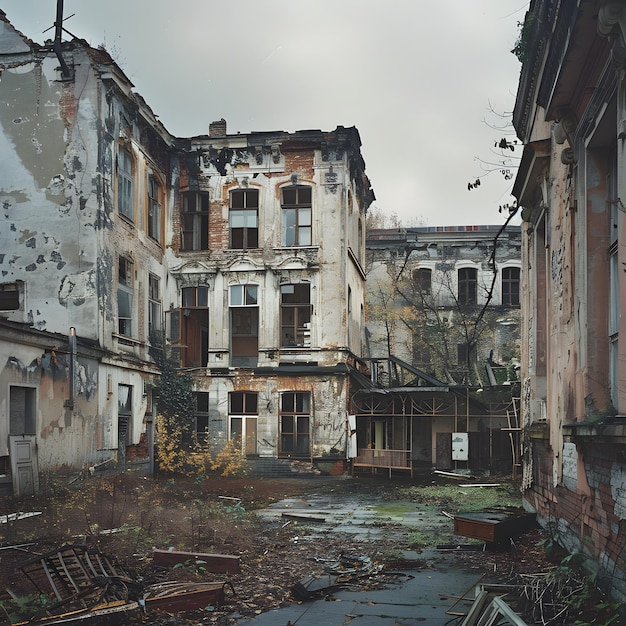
127	515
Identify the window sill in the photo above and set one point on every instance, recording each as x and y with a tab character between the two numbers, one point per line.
129	341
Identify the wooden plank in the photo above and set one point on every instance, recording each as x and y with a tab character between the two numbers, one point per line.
217	563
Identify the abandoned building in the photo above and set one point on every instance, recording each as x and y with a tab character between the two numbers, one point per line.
569	112
443	331
246	251
446	299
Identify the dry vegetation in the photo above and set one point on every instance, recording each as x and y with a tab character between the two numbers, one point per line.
215	515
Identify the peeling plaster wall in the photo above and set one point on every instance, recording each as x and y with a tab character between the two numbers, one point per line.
64	437
49	155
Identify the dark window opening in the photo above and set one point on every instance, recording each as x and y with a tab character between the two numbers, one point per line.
295	315
195	221
295	423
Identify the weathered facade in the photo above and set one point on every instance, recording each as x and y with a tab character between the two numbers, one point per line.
275	295
250	247
446	299
570	113
443	336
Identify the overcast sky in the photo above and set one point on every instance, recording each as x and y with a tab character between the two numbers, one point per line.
416	77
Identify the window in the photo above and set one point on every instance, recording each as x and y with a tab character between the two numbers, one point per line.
9	297
468	284
124	415
244	208
296	209
295	411
125	182
243	414
244	325
155	203
201	417
462	353
510	286
22	410
125	297
422	280
188	327
154	304
195	221
295	315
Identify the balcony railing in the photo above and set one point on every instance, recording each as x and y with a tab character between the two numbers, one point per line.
384	459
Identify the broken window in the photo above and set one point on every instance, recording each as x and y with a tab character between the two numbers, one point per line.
154	304
201	417
124	414
9	297
22	410
243	216
244	325
243	416
510	286
295	411
422	280
296	210
125	182
195	220
188	328
125	297
468	285
295	315
155	204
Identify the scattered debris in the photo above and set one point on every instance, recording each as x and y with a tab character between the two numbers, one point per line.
176	597
14	517
304	518
85	586
346	570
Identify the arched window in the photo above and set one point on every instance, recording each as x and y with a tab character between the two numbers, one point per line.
510	286
468	285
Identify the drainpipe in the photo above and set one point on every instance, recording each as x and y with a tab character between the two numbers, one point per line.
72	342
58	31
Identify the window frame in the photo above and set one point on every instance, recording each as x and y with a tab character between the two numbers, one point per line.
155	307
423	286
467	283
245	236
246	416
510	286
299	328
298	416
301	230
125	287
126	182
194	224
155	192
11	296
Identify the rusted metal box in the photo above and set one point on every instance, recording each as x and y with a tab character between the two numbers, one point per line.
493	527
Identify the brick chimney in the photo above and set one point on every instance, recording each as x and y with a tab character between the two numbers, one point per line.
217	129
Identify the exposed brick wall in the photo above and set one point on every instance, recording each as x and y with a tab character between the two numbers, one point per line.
585	522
